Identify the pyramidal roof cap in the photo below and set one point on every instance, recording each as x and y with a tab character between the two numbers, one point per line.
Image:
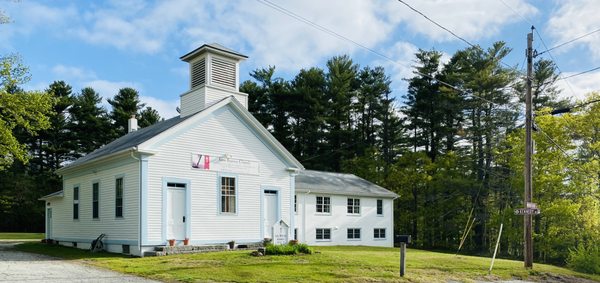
213	47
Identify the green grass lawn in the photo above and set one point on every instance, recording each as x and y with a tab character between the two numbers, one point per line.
330	264
21	236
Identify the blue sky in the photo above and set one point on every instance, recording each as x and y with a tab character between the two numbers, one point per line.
113	44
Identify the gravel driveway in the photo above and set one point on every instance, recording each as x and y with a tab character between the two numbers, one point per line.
18	266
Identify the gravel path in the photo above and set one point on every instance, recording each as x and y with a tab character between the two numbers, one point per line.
18	266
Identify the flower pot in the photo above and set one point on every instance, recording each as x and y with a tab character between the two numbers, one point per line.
231	245
171	242
186	241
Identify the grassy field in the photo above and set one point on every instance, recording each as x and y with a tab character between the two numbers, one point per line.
21	236
330	264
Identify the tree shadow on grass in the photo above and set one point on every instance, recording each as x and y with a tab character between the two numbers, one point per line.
63	252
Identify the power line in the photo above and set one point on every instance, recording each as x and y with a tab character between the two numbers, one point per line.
554	60
437	24
451	32
580	73
333	33
570	41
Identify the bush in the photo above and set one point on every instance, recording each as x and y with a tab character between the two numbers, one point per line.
585	259
288	249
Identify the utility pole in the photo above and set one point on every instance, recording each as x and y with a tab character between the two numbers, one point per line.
528	248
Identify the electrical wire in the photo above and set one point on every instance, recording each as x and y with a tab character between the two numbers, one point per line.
570	41
333	33
579	74
553	60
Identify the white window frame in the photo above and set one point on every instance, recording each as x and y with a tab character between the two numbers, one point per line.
353	233
377	236
96	202
353	206
323	205
122	178
377	207
323	239
234	195
76	188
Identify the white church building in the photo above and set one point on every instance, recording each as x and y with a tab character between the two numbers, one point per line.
211	175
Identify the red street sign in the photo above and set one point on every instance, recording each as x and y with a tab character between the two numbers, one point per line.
527	211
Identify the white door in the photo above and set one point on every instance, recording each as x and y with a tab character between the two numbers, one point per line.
49	223
175	214
270	212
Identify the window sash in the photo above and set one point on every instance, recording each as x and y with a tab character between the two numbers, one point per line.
323	234
379	207
323	204
119	197
379	233
95	200
353	233
228	195
353	205
75	203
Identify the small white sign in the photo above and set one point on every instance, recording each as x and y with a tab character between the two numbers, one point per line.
225	164
280	232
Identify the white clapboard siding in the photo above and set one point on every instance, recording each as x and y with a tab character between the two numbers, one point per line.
214	94
339	220
117	229
218	134
193	101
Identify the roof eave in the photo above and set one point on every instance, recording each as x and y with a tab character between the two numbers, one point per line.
189	56
58	194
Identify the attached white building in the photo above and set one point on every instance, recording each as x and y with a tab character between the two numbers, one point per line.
211	175
342	209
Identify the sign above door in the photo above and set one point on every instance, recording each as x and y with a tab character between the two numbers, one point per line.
224	164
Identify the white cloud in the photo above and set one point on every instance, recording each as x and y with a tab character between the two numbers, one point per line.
580	85
572	19
27	17
108	89
69	73
166	109
470	19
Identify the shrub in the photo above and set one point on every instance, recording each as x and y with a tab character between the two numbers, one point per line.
585	259
288	249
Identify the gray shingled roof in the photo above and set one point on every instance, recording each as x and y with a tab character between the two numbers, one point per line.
130	140
339	184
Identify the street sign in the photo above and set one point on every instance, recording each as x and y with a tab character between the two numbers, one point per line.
527	211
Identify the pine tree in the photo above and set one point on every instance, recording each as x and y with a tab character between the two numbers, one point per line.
148	117
124	105
89	123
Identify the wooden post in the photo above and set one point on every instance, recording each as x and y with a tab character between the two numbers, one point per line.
496	249
402	258
528	237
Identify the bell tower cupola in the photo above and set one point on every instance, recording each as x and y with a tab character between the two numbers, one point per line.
214	75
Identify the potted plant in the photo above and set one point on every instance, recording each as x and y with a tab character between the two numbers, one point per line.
186	241
231	244
171	242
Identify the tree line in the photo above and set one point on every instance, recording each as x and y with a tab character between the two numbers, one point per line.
451	147
47	130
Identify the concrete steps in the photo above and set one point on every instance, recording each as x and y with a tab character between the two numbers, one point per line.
172	250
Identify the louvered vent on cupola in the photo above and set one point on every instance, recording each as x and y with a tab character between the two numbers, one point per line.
199	72
223	72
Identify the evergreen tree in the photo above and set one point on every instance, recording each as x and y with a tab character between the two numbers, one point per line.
124	105
148	117
341	84
89	123
307	110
